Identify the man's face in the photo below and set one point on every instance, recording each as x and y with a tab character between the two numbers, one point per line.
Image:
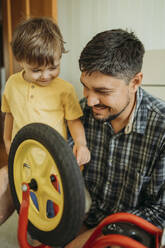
41	75
108	97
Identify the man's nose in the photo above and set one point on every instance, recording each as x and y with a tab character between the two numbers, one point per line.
92	99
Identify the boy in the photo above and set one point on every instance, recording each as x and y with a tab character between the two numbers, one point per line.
36	94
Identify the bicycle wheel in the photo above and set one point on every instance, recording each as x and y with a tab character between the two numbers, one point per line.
39	155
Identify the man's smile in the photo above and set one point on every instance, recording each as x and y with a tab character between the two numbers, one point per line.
99	108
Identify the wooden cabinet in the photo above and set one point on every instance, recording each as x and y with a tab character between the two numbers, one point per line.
13	12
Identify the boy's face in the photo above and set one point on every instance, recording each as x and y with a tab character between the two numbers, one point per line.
41	75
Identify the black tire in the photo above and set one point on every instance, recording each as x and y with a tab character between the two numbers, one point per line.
72	183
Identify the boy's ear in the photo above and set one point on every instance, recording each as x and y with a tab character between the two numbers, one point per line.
21	64
136	81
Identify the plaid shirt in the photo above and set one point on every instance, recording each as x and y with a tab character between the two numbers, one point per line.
127	169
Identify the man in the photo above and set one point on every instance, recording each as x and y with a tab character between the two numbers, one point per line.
125	130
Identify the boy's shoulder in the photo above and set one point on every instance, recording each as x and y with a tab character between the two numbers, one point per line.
16	75
63	83
15	78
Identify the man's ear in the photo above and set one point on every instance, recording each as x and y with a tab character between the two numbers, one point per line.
136	81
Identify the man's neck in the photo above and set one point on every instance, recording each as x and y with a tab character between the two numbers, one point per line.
119	123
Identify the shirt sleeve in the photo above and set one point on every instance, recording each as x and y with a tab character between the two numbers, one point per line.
5	108
72	107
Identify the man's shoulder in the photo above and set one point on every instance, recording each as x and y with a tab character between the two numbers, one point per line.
154	104
87	113
83	102
84	105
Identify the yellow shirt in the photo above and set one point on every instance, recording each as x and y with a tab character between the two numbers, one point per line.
29	102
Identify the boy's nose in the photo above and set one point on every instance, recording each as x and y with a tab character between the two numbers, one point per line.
45	75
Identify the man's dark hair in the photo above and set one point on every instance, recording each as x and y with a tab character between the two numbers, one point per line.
117	53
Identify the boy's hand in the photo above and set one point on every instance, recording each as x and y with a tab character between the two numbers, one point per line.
4	180
82	154
7	146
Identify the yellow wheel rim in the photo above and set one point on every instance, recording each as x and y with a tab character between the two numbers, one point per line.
33	162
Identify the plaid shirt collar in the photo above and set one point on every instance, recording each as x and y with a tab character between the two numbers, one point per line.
139	113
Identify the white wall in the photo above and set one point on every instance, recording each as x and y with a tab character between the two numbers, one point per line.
80	20
153	70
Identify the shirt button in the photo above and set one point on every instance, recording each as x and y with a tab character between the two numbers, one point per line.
31	96
33	86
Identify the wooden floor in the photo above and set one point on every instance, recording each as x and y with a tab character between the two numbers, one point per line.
3	155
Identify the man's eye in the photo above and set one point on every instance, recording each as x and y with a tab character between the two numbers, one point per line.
35	70
105	92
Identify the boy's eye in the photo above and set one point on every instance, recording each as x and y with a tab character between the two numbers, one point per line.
53	68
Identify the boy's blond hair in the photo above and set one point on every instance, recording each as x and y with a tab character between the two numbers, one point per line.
37	41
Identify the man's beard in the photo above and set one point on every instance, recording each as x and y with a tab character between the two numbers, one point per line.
111	117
